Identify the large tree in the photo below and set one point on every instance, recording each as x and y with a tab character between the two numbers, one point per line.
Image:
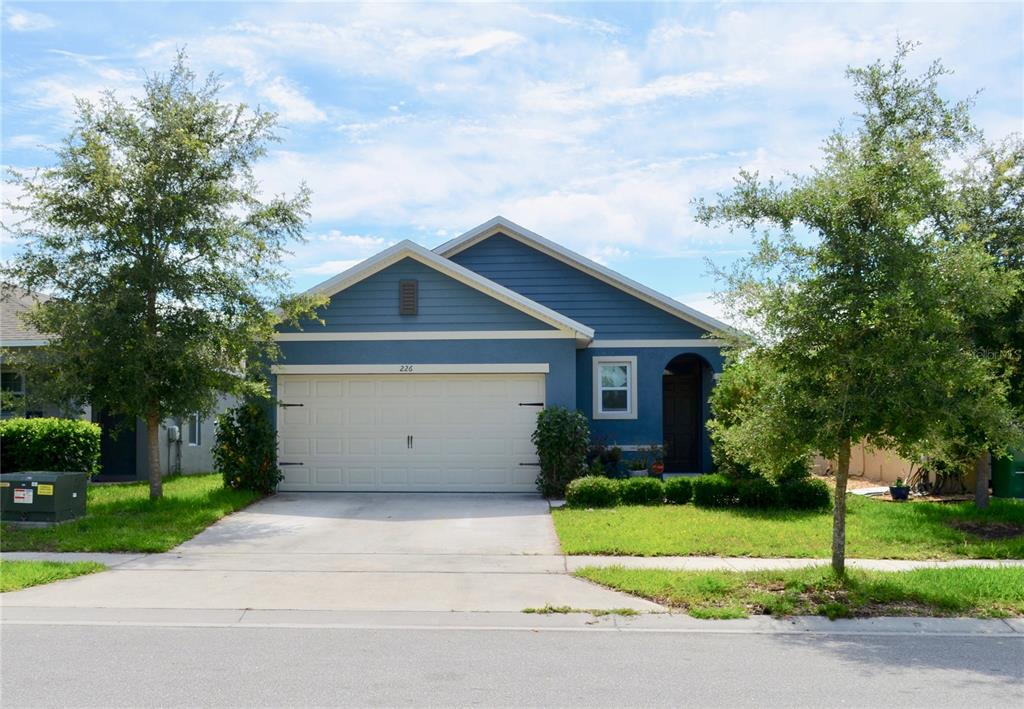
862	312
162	262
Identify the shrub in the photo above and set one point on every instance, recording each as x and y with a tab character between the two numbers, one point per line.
799	469
714	491
642	491
805	494
62	445
245	451
758	493
562	438
592	491
678	491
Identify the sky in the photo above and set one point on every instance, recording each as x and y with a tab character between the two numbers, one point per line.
593	124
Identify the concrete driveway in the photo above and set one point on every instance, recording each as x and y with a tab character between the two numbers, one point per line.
352	551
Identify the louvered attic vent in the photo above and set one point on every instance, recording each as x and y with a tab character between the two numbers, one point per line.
408	297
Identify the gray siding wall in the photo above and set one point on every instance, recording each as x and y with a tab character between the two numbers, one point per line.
444	304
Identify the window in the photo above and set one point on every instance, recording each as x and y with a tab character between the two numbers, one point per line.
195	430
614	387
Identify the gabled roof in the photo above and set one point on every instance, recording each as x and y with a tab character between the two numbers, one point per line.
408	249
501	225
15	332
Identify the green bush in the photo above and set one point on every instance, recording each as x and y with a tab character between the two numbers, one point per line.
61	445
714	491
592	491
758	493
245	451
799	469
678	491
805	494
642	491
562	438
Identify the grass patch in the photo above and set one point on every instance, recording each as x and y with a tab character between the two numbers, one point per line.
976	592
552	610
16	575
876	530
123	518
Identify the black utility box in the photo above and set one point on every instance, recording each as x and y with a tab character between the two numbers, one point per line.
42	497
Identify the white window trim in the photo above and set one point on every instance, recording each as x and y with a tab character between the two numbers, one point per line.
630	361
199	430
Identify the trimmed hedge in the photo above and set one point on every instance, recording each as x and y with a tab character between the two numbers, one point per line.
60	445
592	491
642	491
678	491
805	494
758	493
714	491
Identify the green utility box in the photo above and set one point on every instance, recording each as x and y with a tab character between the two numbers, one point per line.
42	497
1008	475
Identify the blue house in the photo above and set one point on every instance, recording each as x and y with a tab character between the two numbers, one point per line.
426	369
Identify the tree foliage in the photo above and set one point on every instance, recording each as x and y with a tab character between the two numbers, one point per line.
163	264
863	312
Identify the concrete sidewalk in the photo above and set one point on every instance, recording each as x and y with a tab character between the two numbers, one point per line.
473	563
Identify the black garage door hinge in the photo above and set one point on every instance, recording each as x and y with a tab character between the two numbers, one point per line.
282	463
534	465
531	403
285	406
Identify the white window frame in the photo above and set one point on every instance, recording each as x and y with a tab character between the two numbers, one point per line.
631	399
199	430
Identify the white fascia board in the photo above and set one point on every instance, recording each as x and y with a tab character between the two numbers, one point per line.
422	335
578	261
411	369
699	342
23	343
410	249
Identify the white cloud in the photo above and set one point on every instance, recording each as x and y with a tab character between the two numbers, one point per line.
330	268
291	105
355	241
25	21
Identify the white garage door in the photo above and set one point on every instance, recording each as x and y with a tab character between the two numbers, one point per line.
413	432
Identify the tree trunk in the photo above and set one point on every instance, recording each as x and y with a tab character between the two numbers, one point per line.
981	476
156	485
839	514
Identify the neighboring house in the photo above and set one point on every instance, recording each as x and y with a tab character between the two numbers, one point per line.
123	447
430	366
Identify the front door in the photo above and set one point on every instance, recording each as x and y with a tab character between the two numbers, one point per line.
681	418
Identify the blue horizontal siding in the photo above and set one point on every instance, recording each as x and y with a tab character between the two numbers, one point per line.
646	429
612	313
444	304
560	355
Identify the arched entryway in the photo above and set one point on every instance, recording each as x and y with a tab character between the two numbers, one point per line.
682	396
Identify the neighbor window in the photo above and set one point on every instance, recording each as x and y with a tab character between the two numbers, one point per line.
615	387
195	430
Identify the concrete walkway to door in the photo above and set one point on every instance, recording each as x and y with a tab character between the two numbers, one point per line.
352	551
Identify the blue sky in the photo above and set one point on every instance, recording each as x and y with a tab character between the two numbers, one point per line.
592	124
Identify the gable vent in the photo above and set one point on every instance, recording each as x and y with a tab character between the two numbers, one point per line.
408	297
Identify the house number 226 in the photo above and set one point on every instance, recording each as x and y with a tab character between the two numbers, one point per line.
405	368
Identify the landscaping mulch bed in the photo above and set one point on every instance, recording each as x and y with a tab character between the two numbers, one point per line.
989	531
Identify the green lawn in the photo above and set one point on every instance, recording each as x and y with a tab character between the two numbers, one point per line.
123	518
977	592
16	575
875	529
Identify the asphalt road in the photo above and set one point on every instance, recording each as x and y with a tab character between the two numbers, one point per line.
109	666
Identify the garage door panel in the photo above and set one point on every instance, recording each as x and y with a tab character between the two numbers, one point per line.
351	432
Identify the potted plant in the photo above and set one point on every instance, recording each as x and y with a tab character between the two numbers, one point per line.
657	455
637	467
899	490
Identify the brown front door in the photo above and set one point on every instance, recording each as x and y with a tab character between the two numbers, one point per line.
681	418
